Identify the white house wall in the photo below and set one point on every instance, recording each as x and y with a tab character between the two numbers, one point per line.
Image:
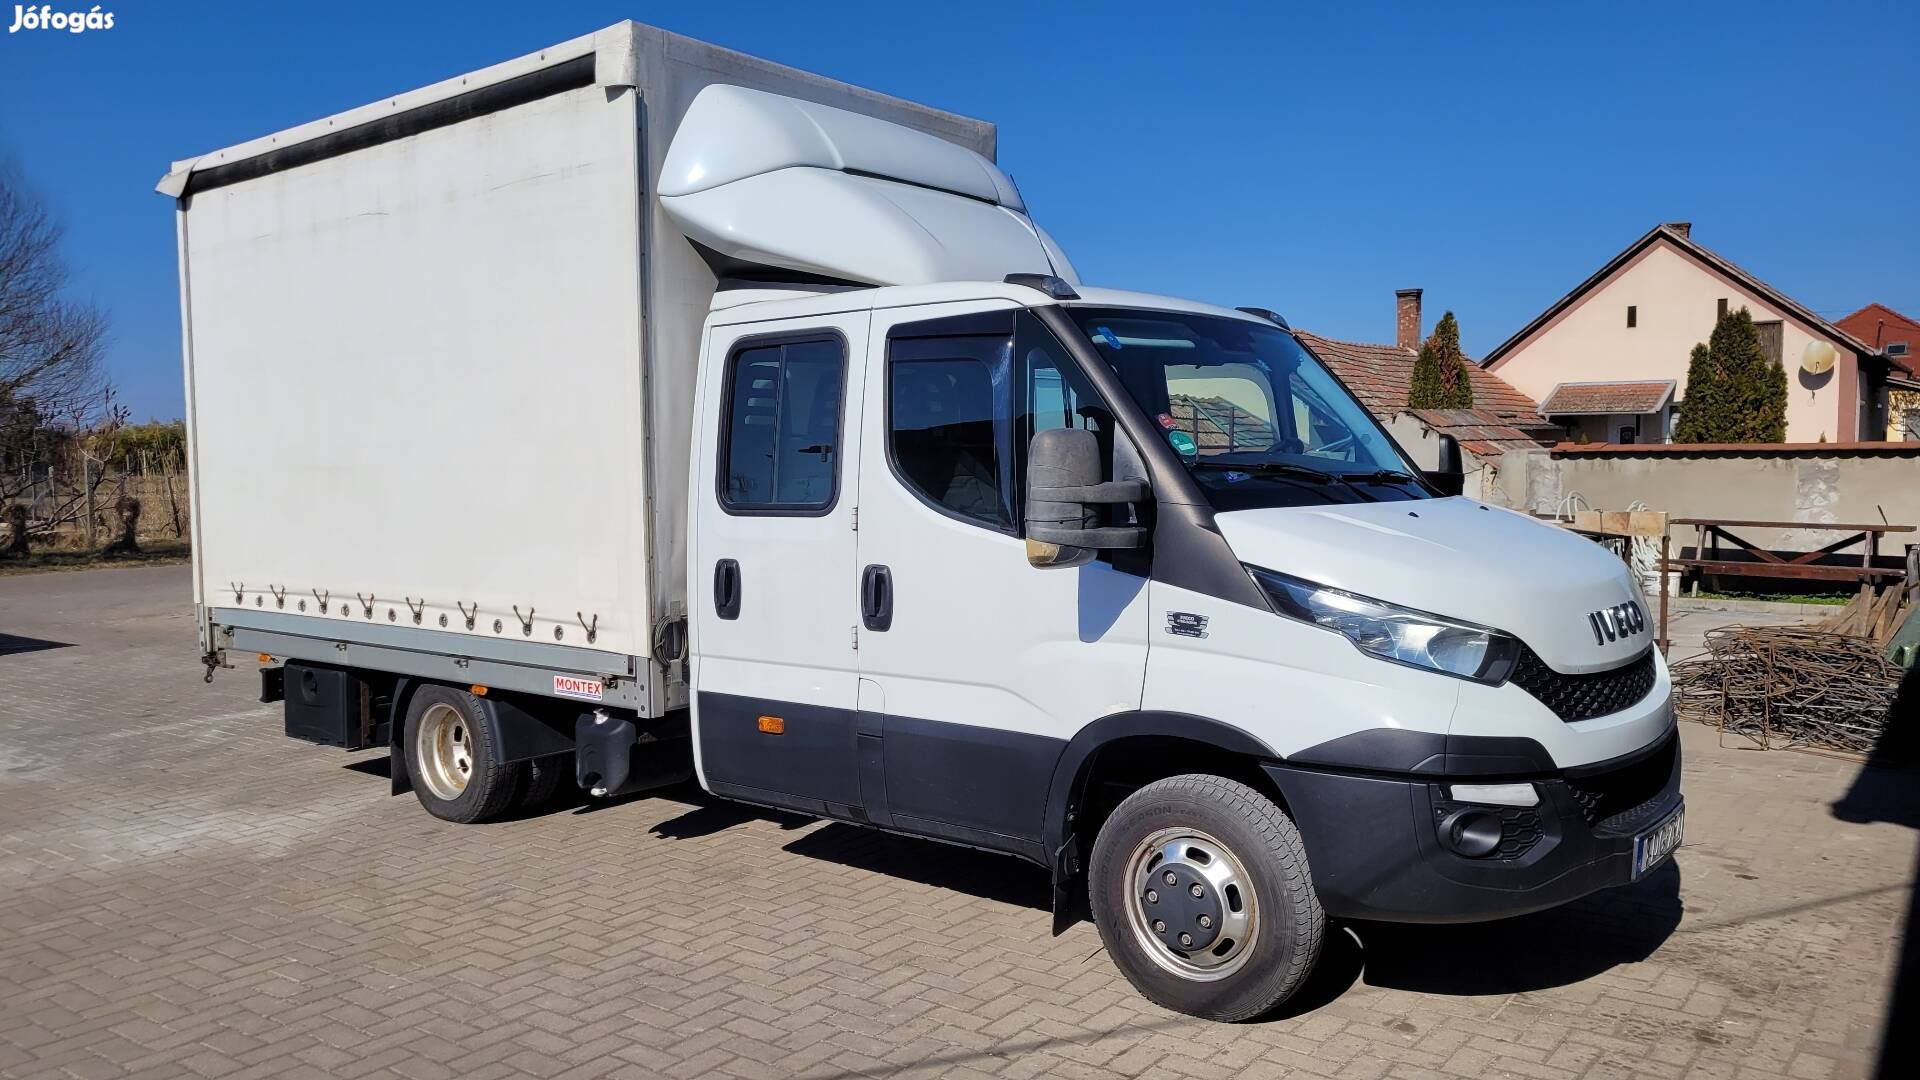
1677	298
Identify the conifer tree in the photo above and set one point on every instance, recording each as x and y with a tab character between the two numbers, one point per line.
1735	393
1440	379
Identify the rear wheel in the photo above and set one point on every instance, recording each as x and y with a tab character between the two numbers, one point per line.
543	779
453	755
1201	891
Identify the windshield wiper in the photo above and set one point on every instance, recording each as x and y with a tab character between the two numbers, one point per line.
1378	476
1270	468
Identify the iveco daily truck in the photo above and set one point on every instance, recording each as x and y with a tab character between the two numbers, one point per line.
637	409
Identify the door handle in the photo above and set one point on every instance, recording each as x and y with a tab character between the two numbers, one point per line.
726	588
876	597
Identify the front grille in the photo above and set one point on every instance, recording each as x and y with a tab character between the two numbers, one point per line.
1615	801
1583	697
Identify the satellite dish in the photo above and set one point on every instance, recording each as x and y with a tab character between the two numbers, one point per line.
1818	358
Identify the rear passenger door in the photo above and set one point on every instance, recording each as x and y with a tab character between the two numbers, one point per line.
981	667
773	560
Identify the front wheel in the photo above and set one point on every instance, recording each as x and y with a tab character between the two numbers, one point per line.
1201	891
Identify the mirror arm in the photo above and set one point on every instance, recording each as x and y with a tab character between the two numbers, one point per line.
1112	491
1112	536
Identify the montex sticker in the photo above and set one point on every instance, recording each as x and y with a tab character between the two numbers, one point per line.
575	686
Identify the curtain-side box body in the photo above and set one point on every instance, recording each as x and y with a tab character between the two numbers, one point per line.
440	359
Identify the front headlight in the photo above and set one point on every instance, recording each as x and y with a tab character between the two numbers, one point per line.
1389	632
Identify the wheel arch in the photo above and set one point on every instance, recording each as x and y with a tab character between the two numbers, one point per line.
524	728
1138	742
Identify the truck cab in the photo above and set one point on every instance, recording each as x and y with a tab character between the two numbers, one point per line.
1457	709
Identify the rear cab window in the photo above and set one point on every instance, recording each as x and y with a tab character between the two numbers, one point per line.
780	437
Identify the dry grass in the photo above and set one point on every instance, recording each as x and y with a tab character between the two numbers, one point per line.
152	553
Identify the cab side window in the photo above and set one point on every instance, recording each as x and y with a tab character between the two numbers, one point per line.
950	425
1053	392
963	406
780	446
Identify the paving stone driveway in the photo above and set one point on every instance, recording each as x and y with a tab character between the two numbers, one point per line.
184	891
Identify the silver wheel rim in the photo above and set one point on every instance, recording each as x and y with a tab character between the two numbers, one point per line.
444	749
1185	882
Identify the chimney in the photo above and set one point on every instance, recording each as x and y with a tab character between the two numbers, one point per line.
1406	310
1684	228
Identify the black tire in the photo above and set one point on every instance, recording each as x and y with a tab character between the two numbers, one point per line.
1289	923
543	779
491	785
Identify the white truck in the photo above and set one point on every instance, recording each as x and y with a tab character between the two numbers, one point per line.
637	409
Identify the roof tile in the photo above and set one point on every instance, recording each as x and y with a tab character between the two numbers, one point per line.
1381	376
1486	434
1604	398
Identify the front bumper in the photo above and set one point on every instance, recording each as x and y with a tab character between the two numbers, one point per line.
1375	849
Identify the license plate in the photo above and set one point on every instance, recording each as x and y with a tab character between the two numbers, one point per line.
1652	847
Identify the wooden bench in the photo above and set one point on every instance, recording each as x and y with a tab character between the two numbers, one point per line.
1804	566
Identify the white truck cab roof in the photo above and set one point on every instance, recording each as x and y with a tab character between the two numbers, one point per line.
762	181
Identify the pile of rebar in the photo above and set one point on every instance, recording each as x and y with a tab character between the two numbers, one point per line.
1789	687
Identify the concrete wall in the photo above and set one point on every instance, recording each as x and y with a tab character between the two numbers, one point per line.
1801	484
1418	441
1676	300
1423	446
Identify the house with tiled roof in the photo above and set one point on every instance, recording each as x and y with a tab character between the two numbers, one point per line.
1609	359
1896	337
1501	419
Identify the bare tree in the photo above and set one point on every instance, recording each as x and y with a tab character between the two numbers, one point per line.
50	347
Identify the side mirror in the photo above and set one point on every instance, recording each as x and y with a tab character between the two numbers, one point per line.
1450	475
1064	492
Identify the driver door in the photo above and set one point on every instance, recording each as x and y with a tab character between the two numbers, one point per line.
983	667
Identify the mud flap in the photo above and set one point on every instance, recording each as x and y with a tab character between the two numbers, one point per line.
1069	888
397	776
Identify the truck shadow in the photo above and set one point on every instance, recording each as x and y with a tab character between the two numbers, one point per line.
13	643
1532	952
1552	948
1003	879
708	815
1887	790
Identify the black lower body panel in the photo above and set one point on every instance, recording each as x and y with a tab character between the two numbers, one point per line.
1376	850
984	779
979	786
811	758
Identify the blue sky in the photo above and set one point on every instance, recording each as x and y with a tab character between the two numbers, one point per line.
1308	159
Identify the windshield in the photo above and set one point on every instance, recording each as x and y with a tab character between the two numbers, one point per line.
1253	416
